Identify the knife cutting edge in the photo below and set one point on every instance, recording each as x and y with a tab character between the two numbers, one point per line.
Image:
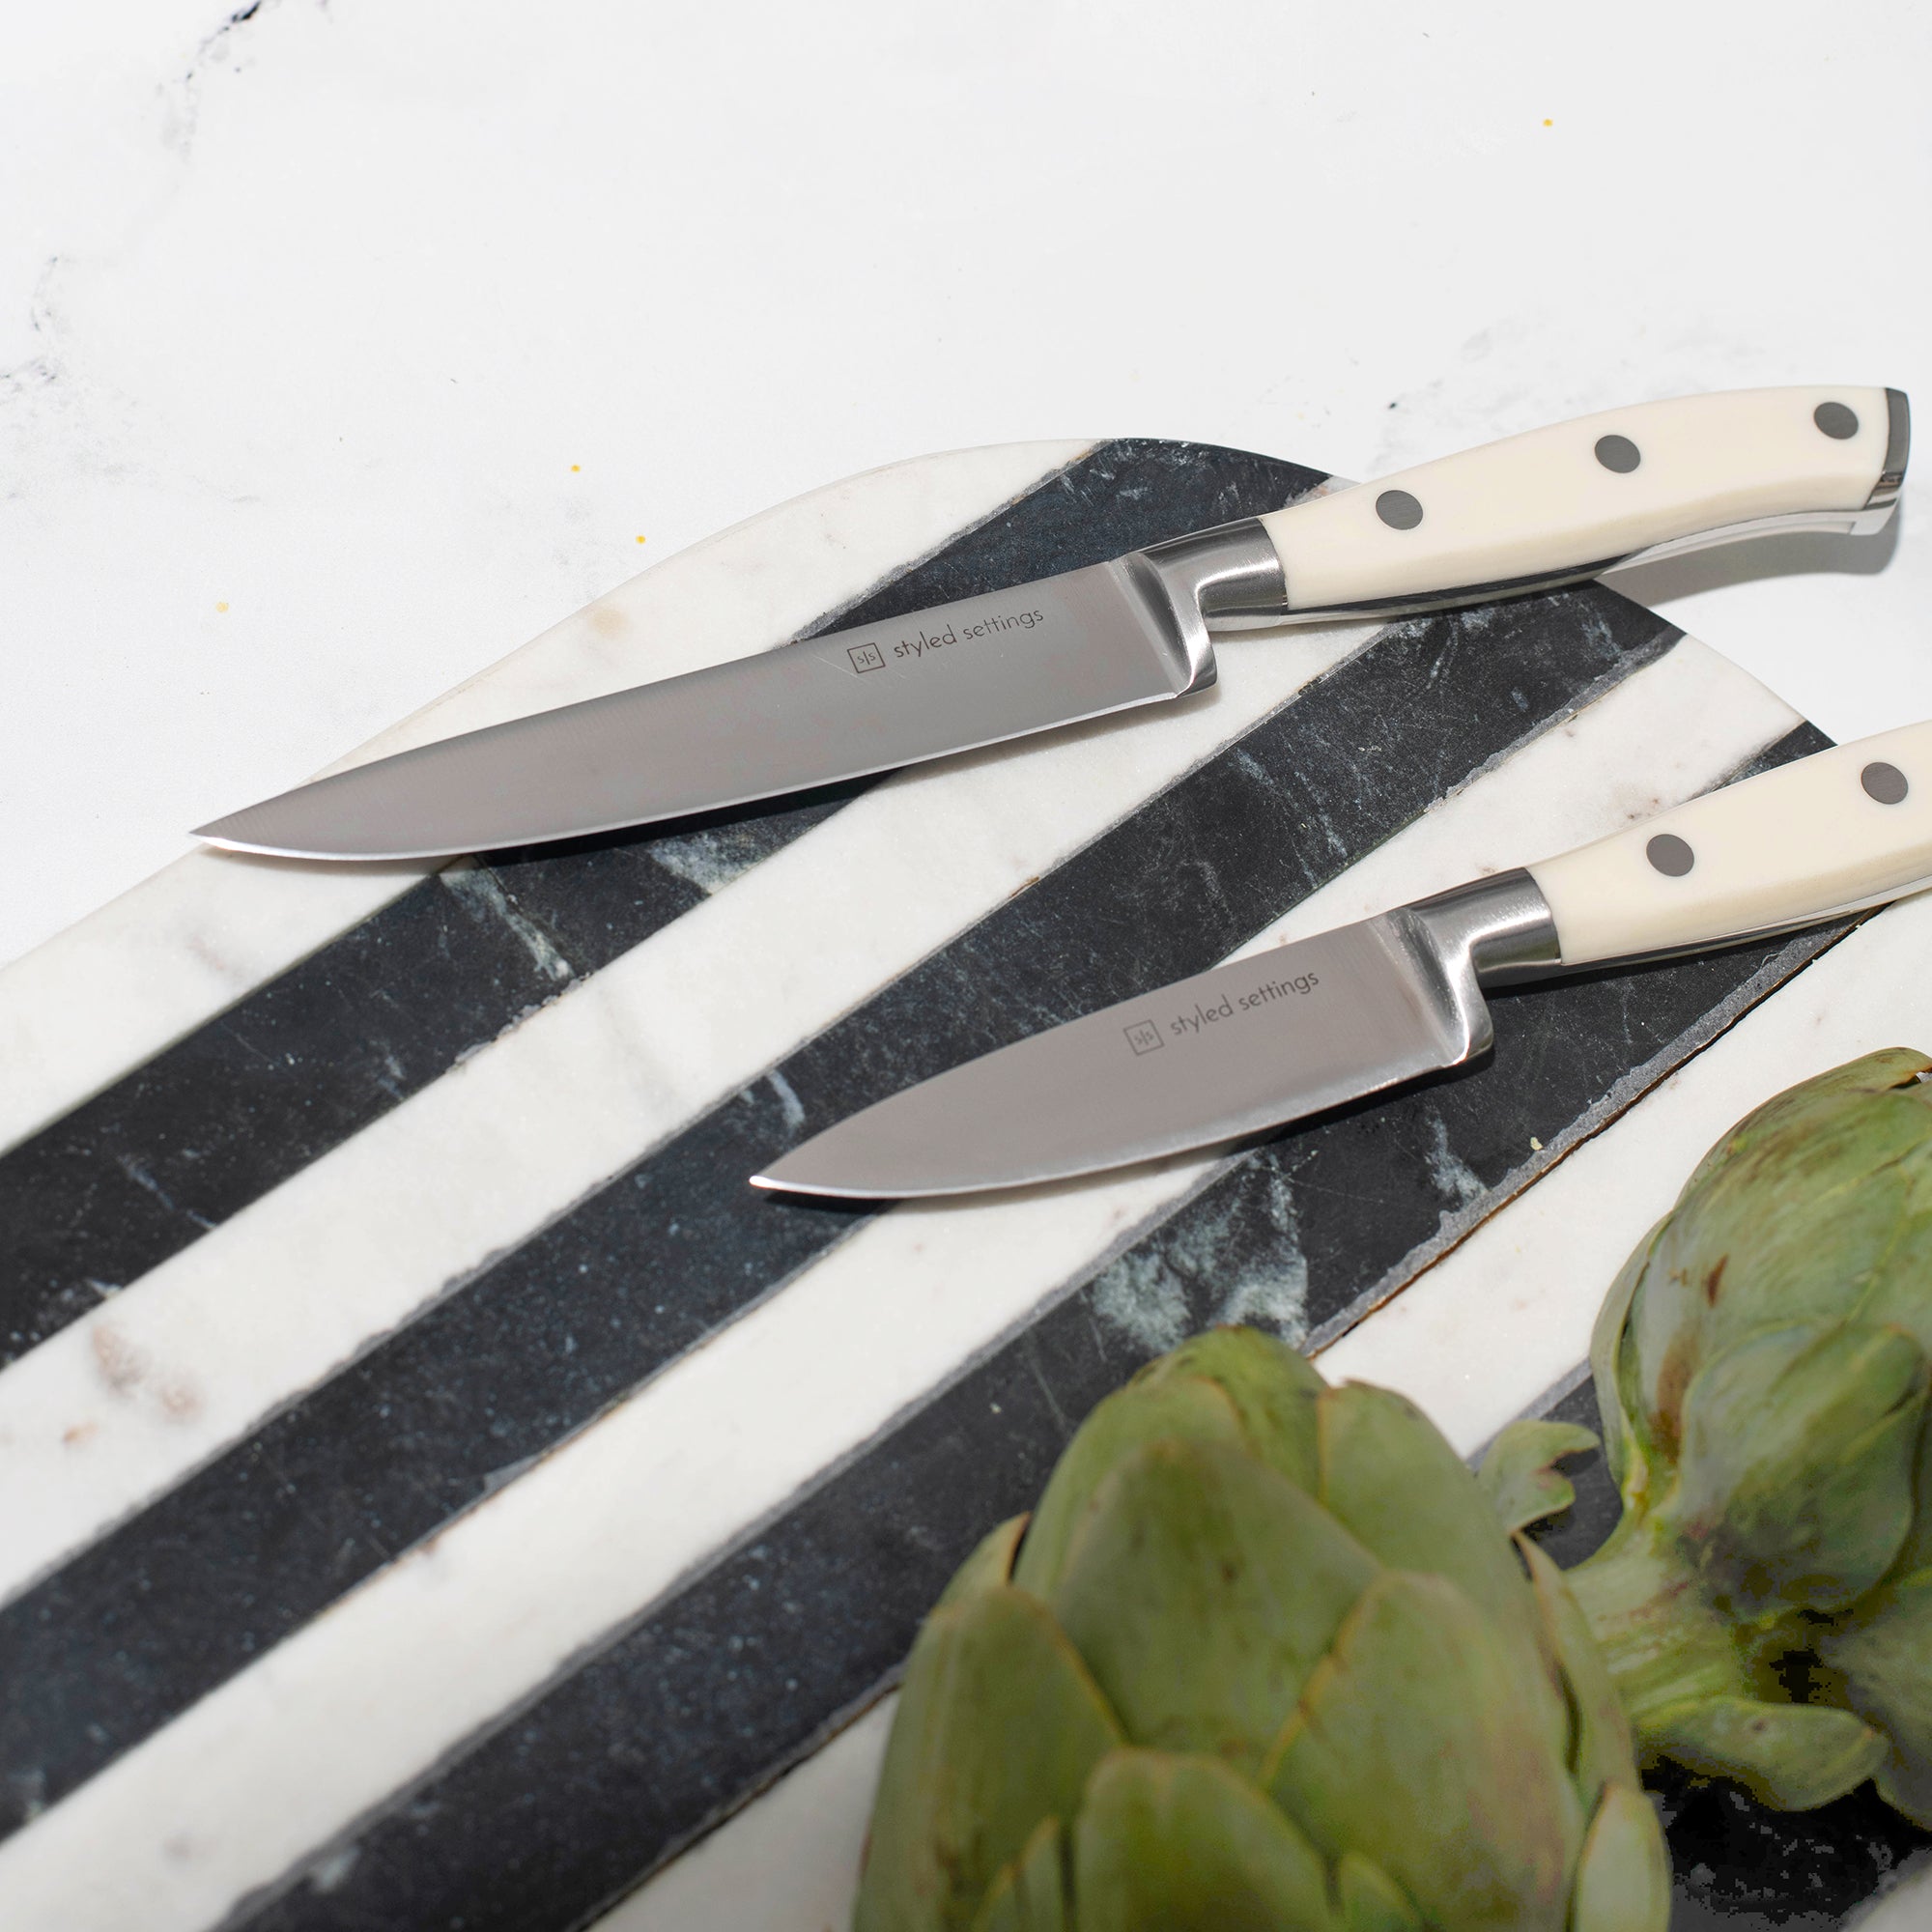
1550	507
1303	1027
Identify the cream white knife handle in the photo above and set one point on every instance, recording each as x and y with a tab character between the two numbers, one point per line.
1570	502
1845	827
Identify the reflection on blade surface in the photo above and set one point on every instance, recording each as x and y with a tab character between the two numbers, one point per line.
1248	1047
808	713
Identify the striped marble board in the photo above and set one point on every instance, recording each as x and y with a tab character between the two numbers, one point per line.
439	1493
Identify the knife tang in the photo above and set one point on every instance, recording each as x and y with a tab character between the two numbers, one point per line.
1564	503
1833	833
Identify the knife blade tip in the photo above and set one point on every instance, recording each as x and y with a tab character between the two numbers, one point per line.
776	1181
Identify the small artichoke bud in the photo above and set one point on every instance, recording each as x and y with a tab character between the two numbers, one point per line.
1797	1463
1762	1366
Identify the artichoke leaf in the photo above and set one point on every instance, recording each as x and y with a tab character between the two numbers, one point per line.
1416	1745
1519	1475
1274	1390
1371	1900
1799	1445
1601	1750
1029	1895
998	1726
1167	1843
1794	1112
1228	1384
1391	1477
1915	1553
1202	1591
1178	1408
990	1564
1884	1654
1613	1372
1794	1216
1623	1881
1789	1756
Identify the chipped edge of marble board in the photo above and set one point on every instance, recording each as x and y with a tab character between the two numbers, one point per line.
171	952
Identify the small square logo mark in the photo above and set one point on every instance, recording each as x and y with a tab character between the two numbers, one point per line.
866	656
1143	1037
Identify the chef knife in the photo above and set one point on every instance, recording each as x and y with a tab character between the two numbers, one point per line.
1549	507
1304	1027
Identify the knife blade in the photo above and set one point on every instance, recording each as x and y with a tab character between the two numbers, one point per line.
1302	1028
1553	506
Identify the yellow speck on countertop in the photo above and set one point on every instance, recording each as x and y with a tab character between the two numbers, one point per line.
641	539
1548	123
1536	1144
221	607
576	467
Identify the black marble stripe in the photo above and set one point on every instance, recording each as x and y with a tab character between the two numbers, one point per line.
197	1585
141	1171
550	1816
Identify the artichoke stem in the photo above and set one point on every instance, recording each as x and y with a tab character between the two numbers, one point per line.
1668	1646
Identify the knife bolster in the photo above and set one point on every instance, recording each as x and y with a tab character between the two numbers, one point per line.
1209	579
1501	926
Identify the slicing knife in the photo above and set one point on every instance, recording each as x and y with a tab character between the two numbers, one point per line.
1553	506
1300	1028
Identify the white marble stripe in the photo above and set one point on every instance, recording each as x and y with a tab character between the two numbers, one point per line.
787	1862
202	1812
121	1403
164	958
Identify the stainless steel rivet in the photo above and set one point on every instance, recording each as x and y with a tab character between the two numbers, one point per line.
1397	509
1669	853
1835	420
1885	783
1618	453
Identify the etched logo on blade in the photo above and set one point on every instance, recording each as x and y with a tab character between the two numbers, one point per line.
924	642
1186	1026
1149	1035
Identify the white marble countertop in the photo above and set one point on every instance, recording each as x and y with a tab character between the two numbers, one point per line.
343	349
346	347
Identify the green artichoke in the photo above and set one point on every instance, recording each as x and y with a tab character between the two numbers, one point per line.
1263	1657
1765	1603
